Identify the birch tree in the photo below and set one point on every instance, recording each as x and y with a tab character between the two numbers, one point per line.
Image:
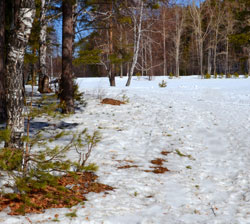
164	35
179	24
18	40
137	30
196	13
43	84
217	21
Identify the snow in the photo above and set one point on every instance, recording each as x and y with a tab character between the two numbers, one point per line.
207	120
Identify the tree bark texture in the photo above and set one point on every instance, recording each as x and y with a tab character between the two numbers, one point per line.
164	43
43	84
14	75
2	60
66	84
137	39
177	39
111	73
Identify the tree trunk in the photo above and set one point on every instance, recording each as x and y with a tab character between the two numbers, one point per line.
121	43
74	18
111	65
137	38
2	59
43	84
215	49
164	44
151	73
142	57
179	18
226	61
14	75
248	63
16	6
209	65
66	84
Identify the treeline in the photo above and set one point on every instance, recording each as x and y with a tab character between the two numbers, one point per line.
135	38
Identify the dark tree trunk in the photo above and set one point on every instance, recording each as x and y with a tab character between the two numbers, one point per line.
16	4
66	84
111	65
112	77
2	64
18	40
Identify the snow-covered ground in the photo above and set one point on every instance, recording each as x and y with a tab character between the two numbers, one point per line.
206	120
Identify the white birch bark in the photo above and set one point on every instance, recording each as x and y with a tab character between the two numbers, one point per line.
164	43
197	16
14	76
137	39
209	64
179	21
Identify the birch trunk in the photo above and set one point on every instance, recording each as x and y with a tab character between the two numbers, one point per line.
226	61
215	53
2	55
178	29
209	65
151	61
43	71
14	76
142	57
197	16
137	38
201	55
164	45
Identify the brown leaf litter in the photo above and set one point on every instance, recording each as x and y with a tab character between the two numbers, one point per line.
51	197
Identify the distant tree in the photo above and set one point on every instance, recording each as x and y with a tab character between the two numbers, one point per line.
66	83
197	14
19	35
179	26
241	36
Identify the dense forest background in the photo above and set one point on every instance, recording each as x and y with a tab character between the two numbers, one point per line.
167	37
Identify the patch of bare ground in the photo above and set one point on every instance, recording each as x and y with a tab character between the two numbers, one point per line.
165	153
158	161
127	166
112	101
71	192
158	168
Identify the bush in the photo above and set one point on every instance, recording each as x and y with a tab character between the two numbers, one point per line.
221	75
39	170
163	84
246	75
171	75
215	75
228	76
207	76
236	75
138	75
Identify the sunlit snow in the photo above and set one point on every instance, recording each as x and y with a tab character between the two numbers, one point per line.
206	120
